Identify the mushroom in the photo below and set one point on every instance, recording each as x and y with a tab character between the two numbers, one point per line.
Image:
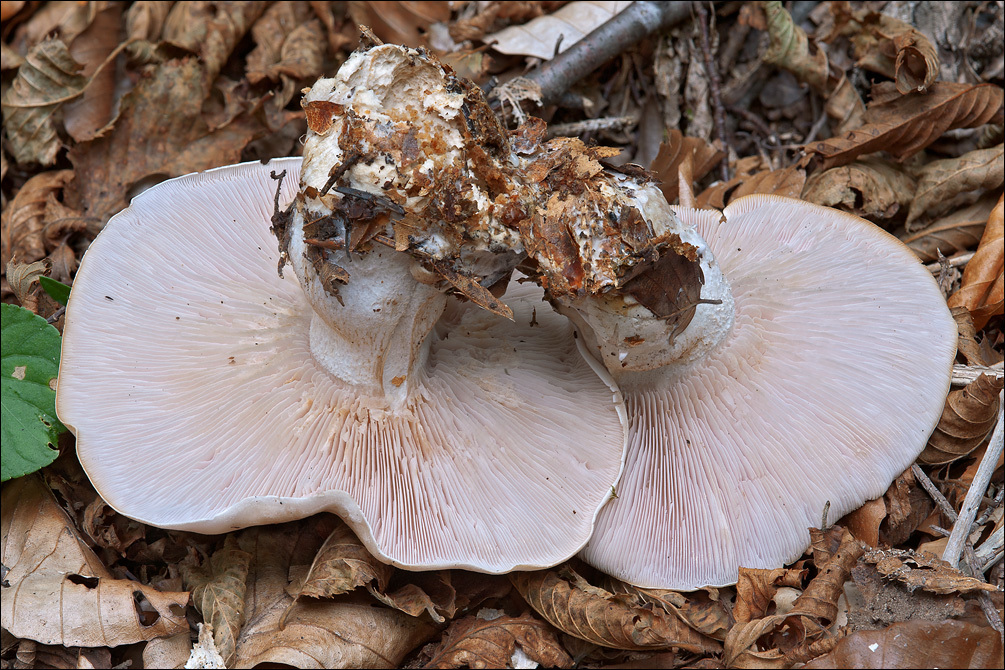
811	372
204	395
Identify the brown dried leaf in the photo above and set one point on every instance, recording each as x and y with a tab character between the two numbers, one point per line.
870	187
60	593
400	22
864	522
160	131
891	519
672	153
790	48
47	79
893	48
619	621
22	278
741	650
982	290
86	115
110	529
818	600
168	652
952	233
924	571
698	609
917	644
940	181
474	642
23	221
341	565
472	290
210	29
756	587
904	125
218	588
429	593
290	43
347	632
969	415
787	181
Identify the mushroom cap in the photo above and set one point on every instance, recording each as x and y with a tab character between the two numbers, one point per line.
187	378
826	388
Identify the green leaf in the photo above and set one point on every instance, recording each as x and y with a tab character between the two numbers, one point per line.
29	364
57	290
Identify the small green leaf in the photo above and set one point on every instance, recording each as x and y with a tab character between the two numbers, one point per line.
57	290
29	364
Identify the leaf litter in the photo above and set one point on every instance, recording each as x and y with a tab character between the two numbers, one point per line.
100	103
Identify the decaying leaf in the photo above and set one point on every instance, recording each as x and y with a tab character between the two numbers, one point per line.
755	589
890	519
891	47
924	571
983	287
955	232
85	116
23	220
289	44
60	593
210	29
350	631
871	187
619	621
969	415
341	565
218	589
672	153
905	124
701	610
400	22
48	78
22	278
917	644
477	642
942	180
425	593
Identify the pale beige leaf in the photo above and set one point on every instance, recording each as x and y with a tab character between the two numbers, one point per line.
342	564
23	220
60	593
941	180
218	589
539	36
870	187
429	593
957	231
475	642
48	78
348	632
168	652
619	621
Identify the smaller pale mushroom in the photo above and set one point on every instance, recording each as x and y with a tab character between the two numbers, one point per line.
198	385
812	372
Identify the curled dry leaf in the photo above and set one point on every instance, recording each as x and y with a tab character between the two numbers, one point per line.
904	125
22	278
917	644
475	642
341	565
940	181
210	29
872	188
698	609
672	153
923	570
619	621
347	632
982	290
400	22
955	232
891	519
218	588
60	593
553	33
969	415
756	588
891	47
289	43
86	115
428	593
47	79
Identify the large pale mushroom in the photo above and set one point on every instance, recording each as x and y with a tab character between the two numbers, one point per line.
205	396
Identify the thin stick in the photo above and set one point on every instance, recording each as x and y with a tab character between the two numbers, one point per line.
961	529
990	612
934	492
719	113
580	127
965	374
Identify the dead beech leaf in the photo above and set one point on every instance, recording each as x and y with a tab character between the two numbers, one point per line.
60	592
341	565
160	131
890	519
402	21
871	188
697	609
619	621
924	571
893	48
982	290
348	632
719	194
48	78
475	642
168	652
818	600
941	180
210	29
672	153
740	648
86	115
756	587
289	43
540	37
917	644
218	589
955	232
969	415
790	48
22	278
425	593
904	125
